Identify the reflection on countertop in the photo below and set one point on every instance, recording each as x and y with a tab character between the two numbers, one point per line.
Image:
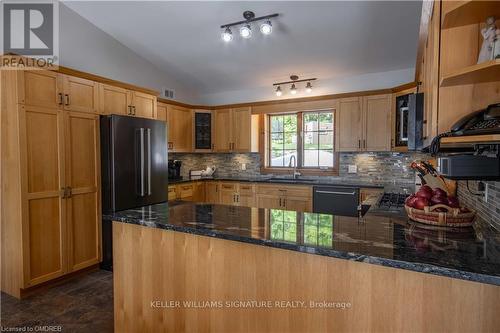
393	241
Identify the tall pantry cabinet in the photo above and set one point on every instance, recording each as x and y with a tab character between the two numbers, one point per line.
50	177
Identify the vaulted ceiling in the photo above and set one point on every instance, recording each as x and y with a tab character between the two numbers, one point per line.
330	40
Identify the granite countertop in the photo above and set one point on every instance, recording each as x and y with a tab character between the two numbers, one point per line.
281	180
392	240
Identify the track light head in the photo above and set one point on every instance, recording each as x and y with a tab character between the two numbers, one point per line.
266	28
309	87
293	89
246	31
227	35
278	91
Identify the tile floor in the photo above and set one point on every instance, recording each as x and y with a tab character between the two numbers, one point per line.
83	304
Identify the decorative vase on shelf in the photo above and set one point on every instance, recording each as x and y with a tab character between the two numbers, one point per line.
489	35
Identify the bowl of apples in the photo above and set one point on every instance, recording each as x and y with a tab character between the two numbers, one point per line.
437	207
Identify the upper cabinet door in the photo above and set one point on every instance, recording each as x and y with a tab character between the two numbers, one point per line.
242	124
349	125
80	94
223	130
179	129
161	112
115	100
377	123
144	105
40	88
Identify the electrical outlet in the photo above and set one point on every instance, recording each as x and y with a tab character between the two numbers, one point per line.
243	166
352	168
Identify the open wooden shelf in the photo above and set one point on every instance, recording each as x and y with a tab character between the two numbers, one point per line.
469	140
470	12
488	71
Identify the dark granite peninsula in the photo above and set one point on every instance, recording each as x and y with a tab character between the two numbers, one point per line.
206	253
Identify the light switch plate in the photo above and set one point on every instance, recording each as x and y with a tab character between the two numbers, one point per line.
352	168
243	166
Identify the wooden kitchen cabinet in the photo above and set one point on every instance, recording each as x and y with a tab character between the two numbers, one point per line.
349	124
45	241
117	100
236	130
54	90
212	193
161	111
289	197
144	105
377	123
364	123
114	100
199	192
83	209
223	130
80	94
172	192
179	129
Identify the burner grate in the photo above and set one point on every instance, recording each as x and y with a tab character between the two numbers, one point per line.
392	200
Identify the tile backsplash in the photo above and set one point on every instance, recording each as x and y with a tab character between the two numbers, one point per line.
488	210
385	168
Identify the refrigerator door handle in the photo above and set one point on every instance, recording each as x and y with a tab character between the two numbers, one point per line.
148	140
141	144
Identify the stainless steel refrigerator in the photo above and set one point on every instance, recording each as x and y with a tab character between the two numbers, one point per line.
134	168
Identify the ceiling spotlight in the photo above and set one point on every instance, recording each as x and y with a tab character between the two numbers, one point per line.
227	35
293	89
246	31
278	91
266	28
309	87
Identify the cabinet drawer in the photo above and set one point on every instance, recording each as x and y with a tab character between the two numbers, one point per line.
172	193
291	190
246	189
185	191
228	186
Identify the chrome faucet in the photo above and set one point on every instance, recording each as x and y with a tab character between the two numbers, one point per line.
295	172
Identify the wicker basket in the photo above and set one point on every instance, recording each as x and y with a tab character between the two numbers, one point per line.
451	218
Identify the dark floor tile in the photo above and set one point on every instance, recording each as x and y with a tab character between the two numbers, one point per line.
83	304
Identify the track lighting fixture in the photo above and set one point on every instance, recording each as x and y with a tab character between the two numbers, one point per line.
293	88
266	28
278	91
309	87
227	35
246	31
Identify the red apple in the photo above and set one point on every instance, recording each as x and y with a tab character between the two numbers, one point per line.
453	202
420	203
409	198
426	188
439	192
411	202
436	200
424	193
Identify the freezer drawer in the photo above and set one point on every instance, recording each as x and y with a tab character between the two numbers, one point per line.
336	200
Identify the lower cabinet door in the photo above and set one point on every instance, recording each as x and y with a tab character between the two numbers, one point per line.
247	200
44	243
298	204
83	176
269	201
227	198
212	192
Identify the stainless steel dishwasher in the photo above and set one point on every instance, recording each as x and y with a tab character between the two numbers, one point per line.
337	200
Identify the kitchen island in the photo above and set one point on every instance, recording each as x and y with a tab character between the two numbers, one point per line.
201	267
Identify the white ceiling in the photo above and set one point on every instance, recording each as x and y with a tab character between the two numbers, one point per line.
327	40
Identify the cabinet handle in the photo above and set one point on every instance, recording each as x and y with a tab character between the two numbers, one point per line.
280	202
133	108
284	203
60	98
359	143
364	144
67	99
64	192
237	198
216	188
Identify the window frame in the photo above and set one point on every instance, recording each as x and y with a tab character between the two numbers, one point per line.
266	168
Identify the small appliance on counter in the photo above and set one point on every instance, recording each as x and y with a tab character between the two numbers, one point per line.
174	169
198	174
